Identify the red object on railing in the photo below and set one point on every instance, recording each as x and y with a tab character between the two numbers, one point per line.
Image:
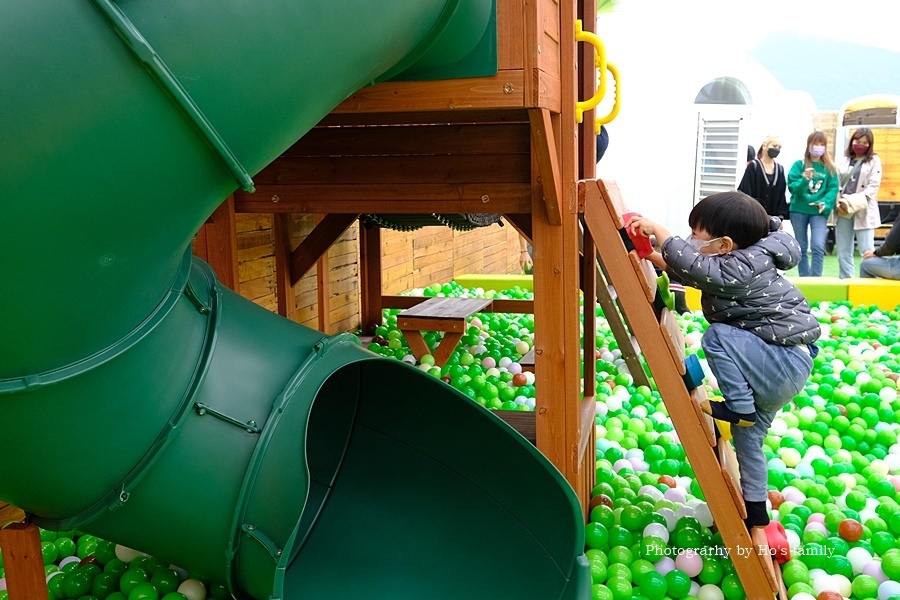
641	242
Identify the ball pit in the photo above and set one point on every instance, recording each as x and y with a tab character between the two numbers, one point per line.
833	455
833	458
100	570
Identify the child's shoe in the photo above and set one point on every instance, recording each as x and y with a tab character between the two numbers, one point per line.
718	410
757	515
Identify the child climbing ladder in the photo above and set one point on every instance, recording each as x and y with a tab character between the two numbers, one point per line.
660	339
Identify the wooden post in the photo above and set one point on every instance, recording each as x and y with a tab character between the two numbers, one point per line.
216	243
23	562
323	288
556	284
369	277
284	288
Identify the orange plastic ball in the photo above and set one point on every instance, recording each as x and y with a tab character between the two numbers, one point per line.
829	595
776	498
667	480
850	530
601	499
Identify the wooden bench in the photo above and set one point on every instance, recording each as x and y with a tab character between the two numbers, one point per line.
448	315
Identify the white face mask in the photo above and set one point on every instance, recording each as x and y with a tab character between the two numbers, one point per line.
699	244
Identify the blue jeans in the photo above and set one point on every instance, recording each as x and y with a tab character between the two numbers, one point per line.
886	267
843	240
754	376
812	240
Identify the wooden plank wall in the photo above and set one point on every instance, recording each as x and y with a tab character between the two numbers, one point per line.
437	254
410	260
887	146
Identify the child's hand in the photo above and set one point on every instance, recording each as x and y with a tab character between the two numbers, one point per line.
642	225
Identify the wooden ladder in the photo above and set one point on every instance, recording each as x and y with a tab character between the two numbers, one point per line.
660	338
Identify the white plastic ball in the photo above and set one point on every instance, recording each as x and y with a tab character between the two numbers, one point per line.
712	592
669	515
656	530
704	515
504	362
859	558
529	378
126	554
664	565
824	583
843	585
888	589
192	589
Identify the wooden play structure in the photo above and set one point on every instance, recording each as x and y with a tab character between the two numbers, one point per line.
508	144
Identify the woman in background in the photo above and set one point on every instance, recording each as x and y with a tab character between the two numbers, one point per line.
860	173
813	184
764	179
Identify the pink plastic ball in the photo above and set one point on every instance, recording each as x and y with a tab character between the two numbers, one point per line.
816	518
475	322
795	496
514	368
817	527
873	569
488	362
690	562
895	481
675	495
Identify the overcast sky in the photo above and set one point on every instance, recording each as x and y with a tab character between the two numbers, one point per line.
873	22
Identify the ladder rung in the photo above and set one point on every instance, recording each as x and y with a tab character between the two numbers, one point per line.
615	204
761	546
674	338
645	273
699	395
728	463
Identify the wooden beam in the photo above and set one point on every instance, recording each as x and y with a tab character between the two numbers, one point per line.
404	140
417	117
317	243
506	89
348	198
23	562
369	278
216	243
284	287
522	223
545	151
408	170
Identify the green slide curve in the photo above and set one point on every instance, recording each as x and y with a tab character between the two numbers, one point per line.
145	403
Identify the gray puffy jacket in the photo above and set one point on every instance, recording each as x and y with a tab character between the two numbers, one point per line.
744	288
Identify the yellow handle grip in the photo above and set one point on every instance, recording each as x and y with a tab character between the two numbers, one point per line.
614	112
599	61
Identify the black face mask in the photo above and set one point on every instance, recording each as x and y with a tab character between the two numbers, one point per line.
773	152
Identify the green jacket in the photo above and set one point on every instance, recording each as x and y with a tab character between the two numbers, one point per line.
821	187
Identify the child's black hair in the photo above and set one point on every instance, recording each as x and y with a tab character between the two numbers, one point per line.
734	214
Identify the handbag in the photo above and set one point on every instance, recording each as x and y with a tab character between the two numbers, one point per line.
850	204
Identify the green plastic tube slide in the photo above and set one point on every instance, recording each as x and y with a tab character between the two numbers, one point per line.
145	403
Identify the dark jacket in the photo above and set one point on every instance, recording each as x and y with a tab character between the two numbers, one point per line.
891	243
744	288
771	194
